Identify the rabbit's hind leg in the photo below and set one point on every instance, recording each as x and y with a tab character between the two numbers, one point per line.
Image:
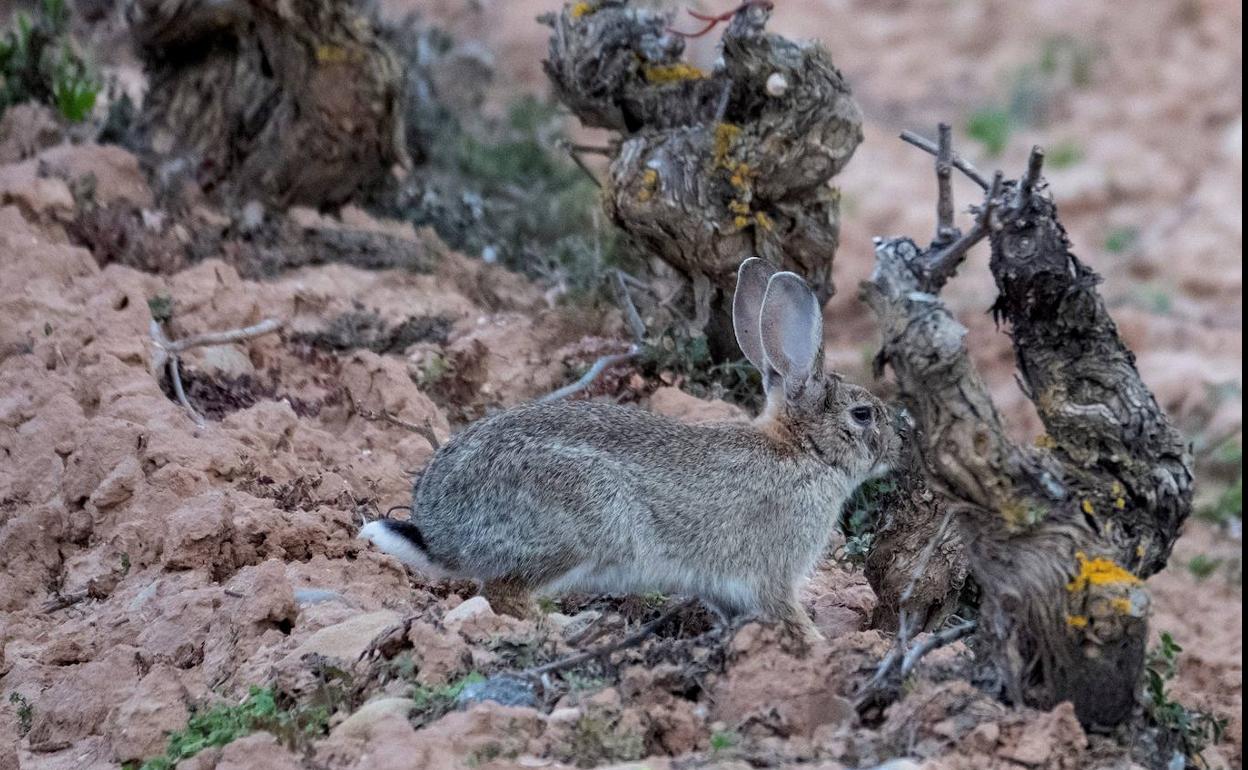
787	610
511	596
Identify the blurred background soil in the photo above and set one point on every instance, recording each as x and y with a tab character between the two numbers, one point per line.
148	566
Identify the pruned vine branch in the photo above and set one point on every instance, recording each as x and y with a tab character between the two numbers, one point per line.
1061	533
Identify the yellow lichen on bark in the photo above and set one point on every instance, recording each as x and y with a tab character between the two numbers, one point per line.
726	135
1099	572
332	54
580	9
663	74
1122	605
649	181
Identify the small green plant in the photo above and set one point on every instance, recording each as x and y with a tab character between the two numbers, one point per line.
25	712
1063	63
433	702
578	682
1202	567
226	723
1065	57
508	190
38	62
1156	299
599	738
1229	505
862	518
723	740
689	359
1064	155
1195	729
1121	239
161	308
991	127
432	370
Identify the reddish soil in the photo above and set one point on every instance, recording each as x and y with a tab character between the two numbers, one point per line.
150	567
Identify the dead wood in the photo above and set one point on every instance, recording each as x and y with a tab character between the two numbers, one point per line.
709	168
1062	533
916	565
288	103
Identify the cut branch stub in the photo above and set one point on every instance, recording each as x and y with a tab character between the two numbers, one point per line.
712	167
1061	534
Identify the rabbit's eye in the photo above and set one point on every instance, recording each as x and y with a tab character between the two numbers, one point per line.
862	414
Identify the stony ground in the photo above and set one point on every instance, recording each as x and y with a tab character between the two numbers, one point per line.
151	568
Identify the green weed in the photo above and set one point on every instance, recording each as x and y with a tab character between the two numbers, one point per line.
1063	63
25	712
862	518
225	723
689	359
508	190
991	127
38	62
1064	155
1121	239
598	738
434	702
1202	567
723	740
1229	505
1194	728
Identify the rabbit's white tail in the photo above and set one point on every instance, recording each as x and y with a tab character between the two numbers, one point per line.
404	541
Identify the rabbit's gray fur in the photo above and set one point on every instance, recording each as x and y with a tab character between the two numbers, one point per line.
602	498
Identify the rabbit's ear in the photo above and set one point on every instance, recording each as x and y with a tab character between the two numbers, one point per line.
792	331
747	305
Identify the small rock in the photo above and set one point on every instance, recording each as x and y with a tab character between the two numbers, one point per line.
578	623
675	403
257	750
139	726
306	596
25	129
349	639
901	763
504	690
439	655
359	725
472	608
224	361
566	714
22	185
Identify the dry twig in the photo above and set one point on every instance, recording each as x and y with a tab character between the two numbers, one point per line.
425	431
166	353
632	640
601	365
960	163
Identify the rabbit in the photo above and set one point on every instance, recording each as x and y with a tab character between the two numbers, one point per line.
602	498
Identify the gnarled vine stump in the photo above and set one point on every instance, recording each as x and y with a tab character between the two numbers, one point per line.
290	102
711	167
1060	535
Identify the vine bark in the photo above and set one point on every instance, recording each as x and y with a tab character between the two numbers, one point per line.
1061	534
